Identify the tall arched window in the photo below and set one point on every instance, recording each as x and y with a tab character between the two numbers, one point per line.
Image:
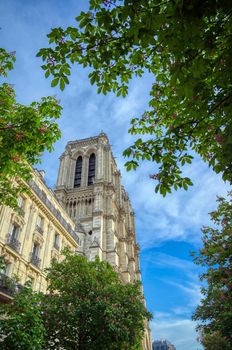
77	178
91	172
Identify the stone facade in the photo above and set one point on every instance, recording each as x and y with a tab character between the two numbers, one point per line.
32	236
89	188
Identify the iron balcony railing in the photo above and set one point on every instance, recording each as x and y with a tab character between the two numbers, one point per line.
42	195
39	229
13	242
8	285
35	260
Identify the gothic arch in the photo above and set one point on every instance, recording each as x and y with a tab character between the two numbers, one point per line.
78	153
91	150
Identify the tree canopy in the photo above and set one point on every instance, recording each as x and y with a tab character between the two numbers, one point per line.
25	132
186	46
88	307
214	314
21	323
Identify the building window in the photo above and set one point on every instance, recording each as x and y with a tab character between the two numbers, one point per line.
21	205
5	270
12	239
91	172
35	260
39	224
20	202
57	241
14	232
77	178
40	221
35	250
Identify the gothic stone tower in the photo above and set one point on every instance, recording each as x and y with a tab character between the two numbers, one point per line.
89	188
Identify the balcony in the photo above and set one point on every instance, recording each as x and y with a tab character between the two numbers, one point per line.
13	243
8	286
35	260
39	229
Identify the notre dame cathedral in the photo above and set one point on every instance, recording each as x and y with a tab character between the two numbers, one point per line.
89	188
89	211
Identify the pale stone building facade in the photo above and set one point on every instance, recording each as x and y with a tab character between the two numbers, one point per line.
30	238
90	213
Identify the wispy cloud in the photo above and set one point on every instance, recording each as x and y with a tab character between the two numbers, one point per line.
190	289
178	216
163	260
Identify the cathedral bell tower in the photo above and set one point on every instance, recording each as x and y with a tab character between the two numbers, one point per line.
89	188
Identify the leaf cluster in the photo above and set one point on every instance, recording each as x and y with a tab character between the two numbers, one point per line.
25	132
214	313
186	46
21	323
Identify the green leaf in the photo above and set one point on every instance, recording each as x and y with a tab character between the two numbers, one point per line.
47	73
54	82
62	84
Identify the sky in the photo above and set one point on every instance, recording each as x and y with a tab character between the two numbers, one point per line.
167	228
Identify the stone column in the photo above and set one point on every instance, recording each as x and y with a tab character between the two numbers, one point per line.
71	174
49	239
31	222
64	170
84	172
60	173
99	162
108	163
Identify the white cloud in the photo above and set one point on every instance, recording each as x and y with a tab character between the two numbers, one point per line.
165	260
190	289
178	216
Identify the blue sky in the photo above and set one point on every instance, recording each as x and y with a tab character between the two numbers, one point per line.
167	228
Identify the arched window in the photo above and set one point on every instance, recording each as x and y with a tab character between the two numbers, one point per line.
77	178
91	172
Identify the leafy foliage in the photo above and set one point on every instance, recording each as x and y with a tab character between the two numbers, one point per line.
88	307
214	313
21	324
25	132
186	45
